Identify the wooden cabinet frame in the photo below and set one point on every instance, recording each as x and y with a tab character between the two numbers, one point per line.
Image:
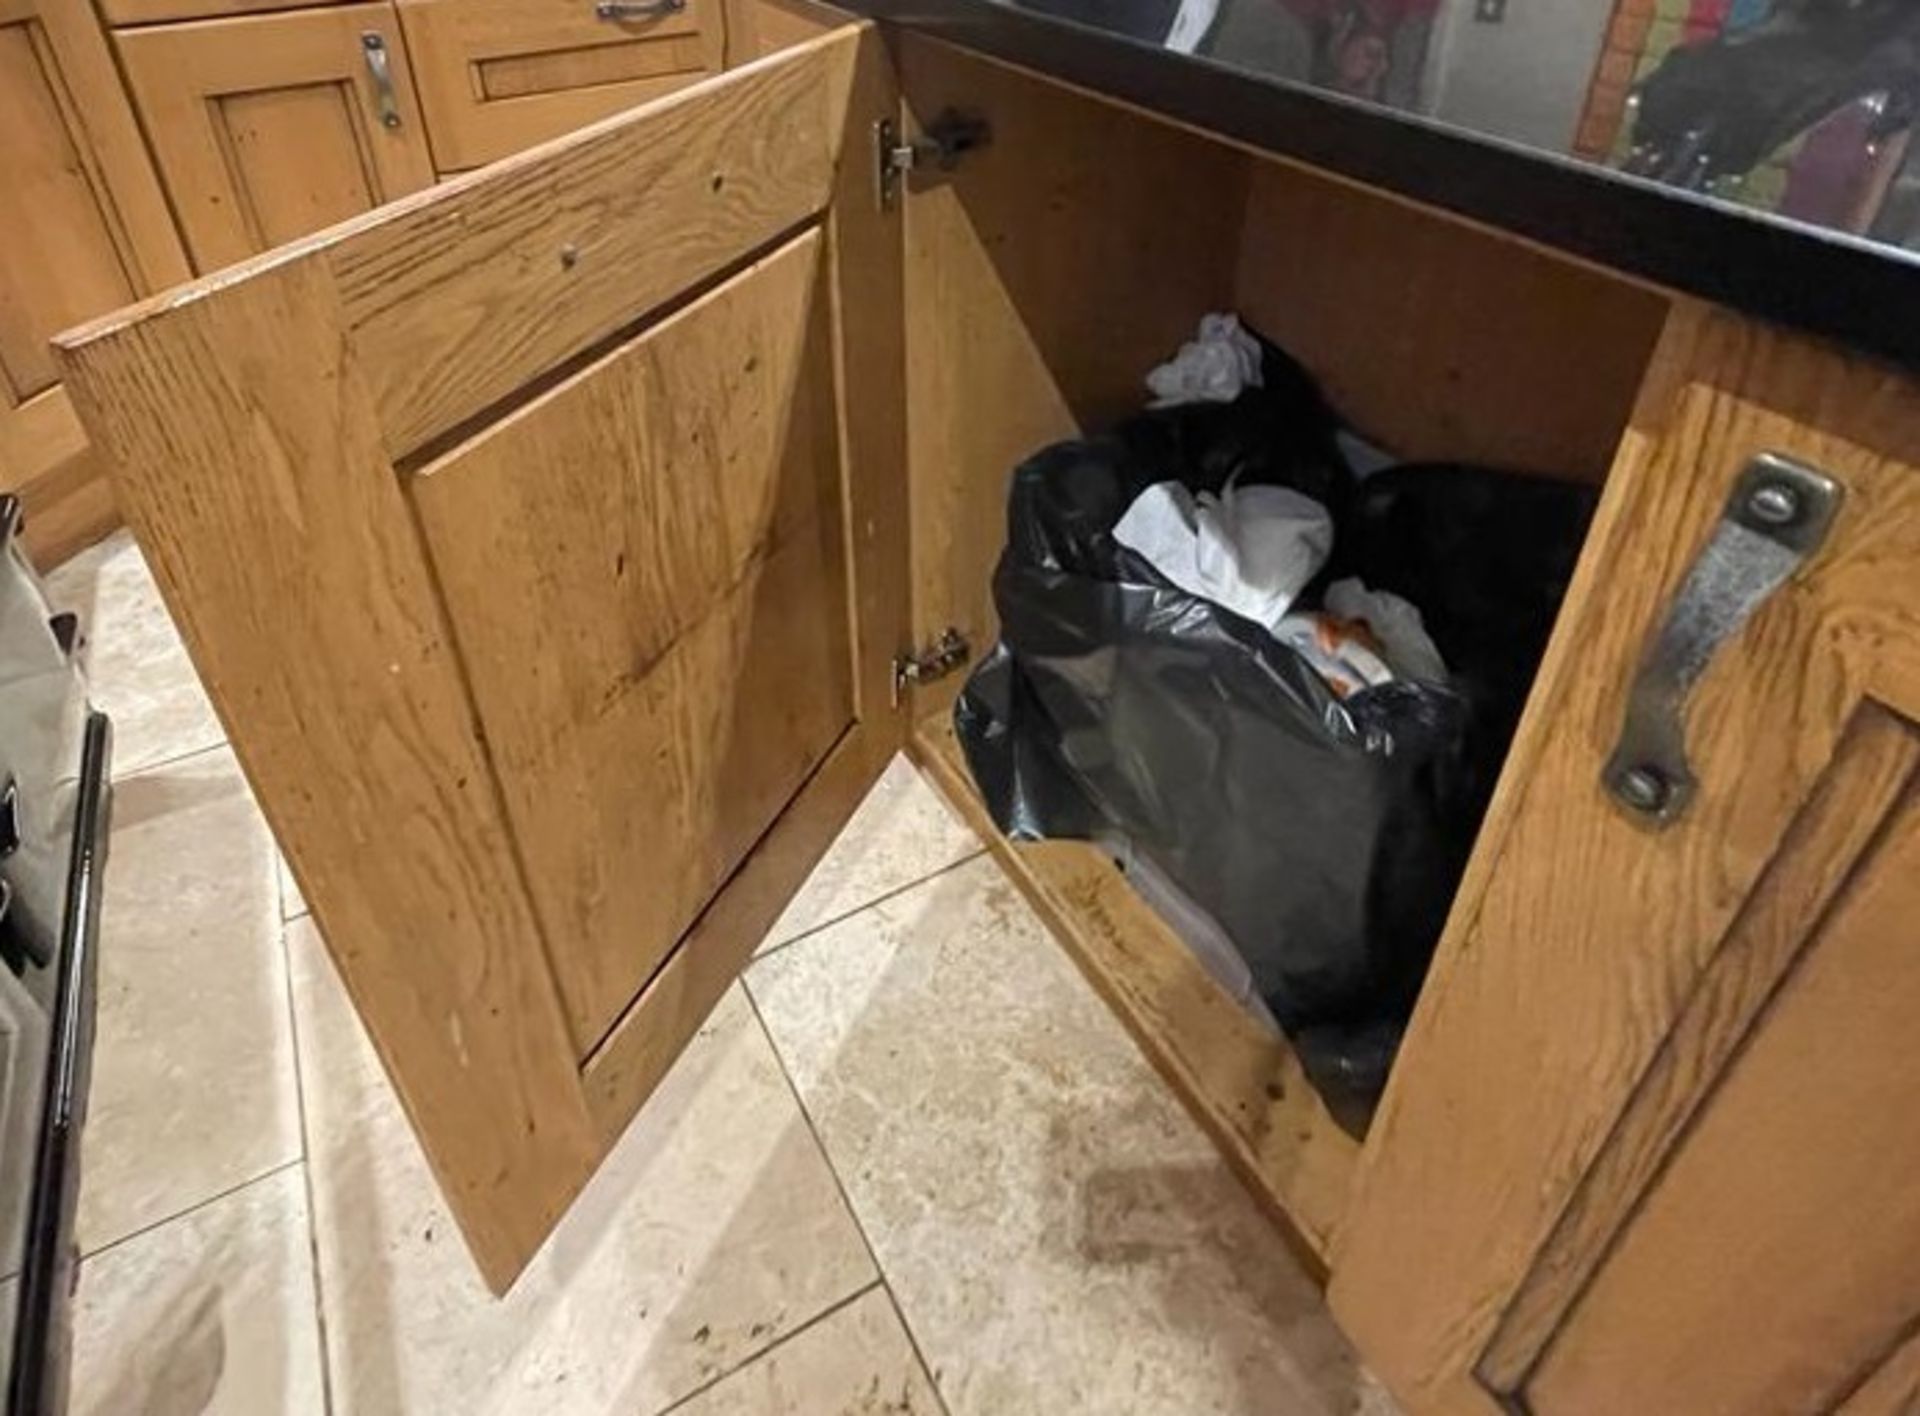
289	408
44	454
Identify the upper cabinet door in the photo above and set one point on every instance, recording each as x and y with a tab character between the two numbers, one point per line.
1650	1144
268	127
86	229
497	76
543	544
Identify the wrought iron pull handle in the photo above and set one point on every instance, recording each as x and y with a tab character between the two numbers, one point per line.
1776	517
374	46
617	10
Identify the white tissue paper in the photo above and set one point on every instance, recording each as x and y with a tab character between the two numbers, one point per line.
1251	549
1213	367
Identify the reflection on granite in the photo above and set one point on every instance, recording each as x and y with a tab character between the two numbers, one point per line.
1794	108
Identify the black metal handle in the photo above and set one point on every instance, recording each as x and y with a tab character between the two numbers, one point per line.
1777	516
374	46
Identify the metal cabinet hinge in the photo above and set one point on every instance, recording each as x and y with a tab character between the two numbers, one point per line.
946	140
947	654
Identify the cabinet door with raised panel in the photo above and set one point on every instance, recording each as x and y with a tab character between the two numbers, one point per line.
85	229
543	544
267	127
1650	1145
500	75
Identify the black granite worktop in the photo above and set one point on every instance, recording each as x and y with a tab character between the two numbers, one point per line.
1485	147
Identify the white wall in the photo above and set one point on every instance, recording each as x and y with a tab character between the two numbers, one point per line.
1524	78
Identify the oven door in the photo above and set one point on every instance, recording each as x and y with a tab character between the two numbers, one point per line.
55	802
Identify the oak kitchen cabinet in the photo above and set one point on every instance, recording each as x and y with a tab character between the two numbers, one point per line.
87	229
603	492
496	76
230	126
269	126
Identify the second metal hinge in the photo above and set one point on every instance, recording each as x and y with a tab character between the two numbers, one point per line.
947	138
947	654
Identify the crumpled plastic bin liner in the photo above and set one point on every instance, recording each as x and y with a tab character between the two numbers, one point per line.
1325	835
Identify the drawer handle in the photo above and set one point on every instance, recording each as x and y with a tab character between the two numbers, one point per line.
1776	517
374	46
618	10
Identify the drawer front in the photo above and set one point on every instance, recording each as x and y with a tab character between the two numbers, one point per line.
147	12
497	76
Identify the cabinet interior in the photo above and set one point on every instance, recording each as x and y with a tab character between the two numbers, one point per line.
594	396
1044	277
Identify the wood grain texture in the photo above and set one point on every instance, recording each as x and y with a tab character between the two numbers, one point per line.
1893	1388
267	127
456	300
244	421
497	76
1244	1085
864	249
1440	340
1577	936
1044	278
756	28
87	229
646	574
146	12
1819	854
247	458
1776	1259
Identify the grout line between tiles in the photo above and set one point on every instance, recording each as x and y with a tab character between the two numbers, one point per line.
881	899
173	761
193	1208
772	1347
806	1116
306	1175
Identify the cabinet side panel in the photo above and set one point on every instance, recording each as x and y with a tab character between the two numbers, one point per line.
1045	276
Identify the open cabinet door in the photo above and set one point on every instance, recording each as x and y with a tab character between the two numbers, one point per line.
1650	1145
542	543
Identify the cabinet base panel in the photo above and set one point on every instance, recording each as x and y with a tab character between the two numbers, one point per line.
1242	1084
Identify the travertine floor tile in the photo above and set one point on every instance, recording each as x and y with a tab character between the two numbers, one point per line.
209	1314
1059	1233
855	1361
137	669
193	1074
902	833
713	1229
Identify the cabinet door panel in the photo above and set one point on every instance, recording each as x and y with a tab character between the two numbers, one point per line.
270	126
497	76
644	571
1775	1261
87	229
58	219
1646	1096
443	504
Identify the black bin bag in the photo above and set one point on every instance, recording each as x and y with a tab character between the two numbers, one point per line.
1325	835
